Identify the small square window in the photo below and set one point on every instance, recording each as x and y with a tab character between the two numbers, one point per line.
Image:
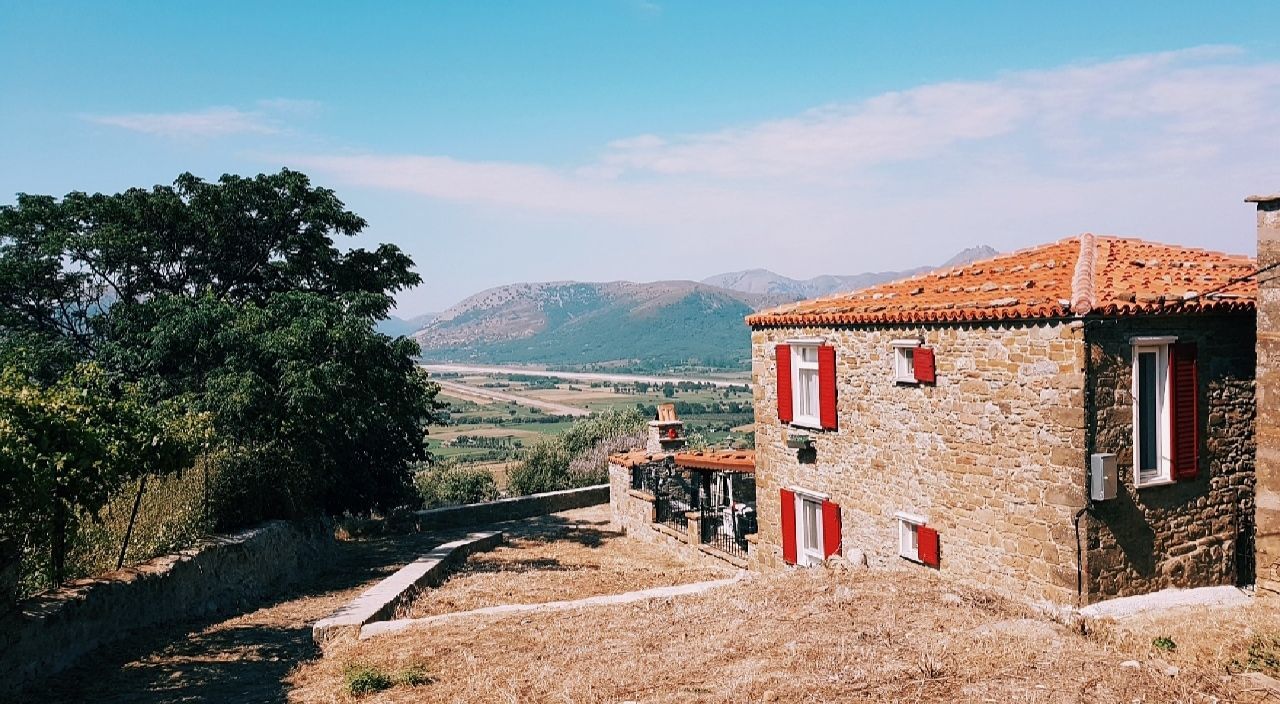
909	536
904	361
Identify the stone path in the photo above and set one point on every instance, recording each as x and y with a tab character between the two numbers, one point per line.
242	658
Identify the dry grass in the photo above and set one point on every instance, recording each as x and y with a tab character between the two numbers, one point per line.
803	636
1225	639
571	555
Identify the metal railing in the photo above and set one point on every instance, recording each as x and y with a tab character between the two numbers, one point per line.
726	528
674	495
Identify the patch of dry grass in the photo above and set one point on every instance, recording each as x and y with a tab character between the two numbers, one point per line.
1226	639
572	555
802	636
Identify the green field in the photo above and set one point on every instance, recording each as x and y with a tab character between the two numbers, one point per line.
707	411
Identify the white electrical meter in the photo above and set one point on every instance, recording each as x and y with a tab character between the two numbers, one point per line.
1102	476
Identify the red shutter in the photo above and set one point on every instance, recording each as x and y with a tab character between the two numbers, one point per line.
788	527
927	542
1184	426
827	387
783	353
830	529
923	359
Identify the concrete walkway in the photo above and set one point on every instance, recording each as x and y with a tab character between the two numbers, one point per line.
384	627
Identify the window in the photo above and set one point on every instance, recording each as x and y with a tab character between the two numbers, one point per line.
909	536
904	361
804	381
809	537
1151	411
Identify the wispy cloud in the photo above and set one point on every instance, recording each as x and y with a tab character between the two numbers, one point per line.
221	121
1019	158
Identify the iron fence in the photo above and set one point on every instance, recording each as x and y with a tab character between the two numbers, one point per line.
675	494
726	528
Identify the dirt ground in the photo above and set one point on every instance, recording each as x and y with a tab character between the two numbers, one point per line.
804	636
570	555
242	658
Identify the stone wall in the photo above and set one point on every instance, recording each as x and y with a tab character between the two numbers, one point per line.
1268	398
632	512
50	632
992	454
1188	534
510	509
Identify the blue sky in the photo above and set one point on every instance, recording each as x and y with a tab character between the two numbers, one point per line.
625	139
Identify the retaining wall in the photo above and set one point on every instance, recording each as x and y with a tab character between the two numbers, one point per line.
50	632
510	509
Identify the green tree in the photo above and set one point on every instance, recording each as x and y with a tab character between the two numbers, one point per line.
65	447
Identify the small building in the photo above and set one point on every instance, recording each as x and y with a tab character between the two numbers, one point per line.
1069	423
703	498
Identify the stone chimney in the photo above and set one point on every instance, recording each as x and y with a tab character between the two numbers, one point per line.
666	433
1267	390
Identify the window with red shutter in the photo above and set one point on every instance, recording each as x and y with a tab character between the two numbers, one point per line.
788	516
923	362
783	356
828	415
928	542
830	529
1184	425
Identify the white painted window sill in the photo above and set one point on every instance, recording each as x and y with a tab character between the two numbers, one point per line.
807	424
906	380
1152	483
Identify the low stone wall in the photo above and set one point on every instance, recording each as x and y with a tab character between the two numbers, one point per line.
510	509
50	632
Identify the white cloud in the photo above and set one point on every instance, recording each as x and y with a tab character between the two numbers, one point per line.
221	121
1155	145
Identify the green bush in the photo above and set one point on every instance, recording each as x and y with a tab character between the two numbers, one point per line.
449	484
363	680
579	456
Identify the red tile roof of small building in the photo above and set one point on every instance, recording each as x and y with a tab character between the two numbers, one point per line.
1082	275
730	460
633	458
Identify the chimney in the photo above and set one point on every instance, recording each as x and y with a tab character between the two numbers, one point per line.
666	432
1267	394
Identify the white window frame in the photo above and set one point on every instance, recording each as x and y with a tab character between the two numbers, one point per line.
904	367
804	420
1161	474
806	555
909	535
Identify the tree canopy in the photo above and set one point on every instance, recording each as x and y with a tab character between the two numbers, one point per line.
222	305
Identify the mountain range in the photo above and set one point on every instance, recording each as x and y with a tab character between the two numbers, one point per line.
654	325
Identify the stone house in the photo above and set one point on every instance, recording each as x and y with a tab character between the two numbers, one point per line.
1067	423
1268	380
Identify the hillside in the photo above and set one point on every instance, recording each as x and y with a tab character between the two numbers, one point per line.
575	323
395	326
638	325
763	281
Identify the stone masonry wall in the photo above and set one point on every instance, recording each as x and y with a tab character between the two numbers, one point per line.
1187	534
1268	399
630	513
992	454
51	631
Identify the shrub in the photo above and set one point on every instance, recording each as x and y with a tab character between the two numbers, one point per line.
580	455
363	680
449	483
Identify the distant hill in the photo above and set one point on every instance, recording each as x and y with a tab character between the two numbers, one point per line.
578	323
654	325
763	281
395	327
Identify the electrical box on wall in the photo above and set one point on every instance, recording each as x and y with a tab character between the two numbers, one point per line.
1102	476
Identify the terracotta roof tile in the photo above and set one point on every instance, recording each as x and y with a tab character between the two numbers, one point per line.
634	458
1087	274
732	460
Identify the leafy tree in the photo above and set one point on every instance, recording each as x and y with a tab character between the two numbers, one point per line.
579	455
64	447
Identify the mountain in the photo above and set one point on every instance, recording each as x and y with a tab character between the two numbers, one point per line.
395	327
576	323
638	325
763	281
